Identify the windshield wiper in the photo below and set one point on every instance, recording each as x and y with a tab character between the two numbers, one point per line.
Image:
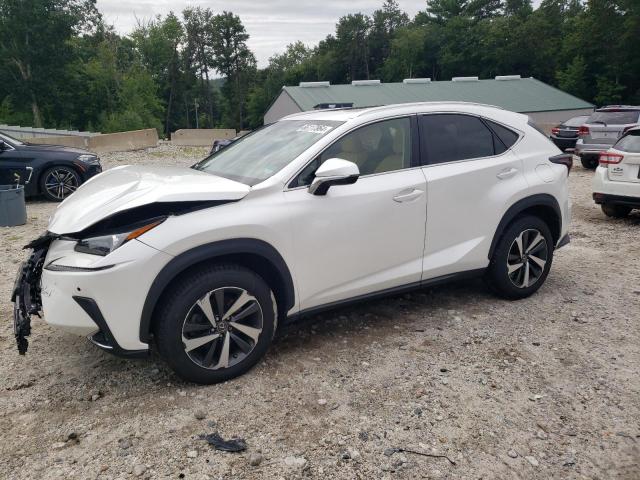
599	121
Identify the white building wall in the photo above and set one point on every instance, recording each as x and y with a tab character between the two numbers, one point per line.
283	106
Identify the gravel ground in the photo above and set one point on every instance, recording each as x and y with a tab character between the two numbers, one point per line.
541	388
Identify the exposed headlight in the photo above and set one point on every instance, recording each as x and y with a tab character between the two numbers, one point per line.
89	159
105	244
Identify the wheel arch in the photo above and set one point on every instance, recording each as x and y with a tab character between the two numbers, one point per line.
254	254
540	205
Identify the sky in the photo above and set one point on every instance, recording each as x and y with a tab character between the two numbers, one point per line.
272	24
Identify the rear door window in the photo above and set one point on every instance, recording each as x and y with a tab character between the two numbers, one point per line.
452	137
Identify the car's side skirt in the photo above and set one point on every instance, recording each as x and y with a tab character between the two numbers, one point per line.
386	292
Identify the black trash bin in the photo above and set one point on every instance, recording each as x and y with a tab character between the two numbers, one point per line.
13	209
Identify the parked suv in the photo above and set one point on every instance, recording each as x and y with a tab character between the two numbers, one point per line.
602	129
616	184
317	210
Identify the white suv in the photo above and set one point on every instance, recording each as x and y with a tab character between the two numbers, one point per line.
311	212
616	184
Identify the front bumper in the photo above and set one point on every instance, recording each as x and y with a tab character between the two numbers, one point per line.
98	297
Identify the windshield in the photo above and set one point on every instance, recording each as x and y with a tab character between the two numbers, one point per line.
619	117
10	140
259	155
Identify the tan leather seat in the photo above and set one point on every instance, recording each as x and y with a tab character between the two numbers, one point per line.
395	161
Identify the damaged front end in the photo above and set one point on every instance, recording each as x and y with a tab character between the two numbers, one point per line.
26	295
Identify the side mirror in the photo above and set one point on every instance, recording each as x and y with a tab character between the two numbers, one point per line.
3	145
334	171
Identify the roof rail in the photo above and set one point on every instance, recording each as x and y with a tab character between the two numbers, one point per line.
314	84
508	77
416	80
417	104
358	83
464	79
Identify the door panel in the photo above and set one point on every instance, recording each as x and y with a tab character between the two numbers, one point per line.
465	204
358	238
13	168
471	175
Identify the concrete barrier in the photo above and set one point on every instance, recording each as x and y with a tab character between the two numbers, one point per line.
75	142
109	142
200	137
124	141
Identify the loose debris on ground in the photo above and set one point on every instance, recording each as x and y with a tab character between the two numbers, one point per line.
542	388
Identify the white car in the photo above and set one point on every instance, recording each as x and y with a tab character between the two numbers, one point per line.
616	184
309	213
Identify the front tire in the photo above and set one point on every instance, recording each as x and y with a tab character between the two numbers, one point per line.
57	183
615	211
522	258
215	323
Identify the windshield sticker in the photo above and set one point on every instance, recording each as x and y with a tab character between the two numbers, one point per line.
313	128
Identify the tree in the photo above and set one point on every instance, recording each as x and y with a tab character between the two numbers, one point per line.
233	59
34	37
573	79
386	22
200	28
352	41
158	43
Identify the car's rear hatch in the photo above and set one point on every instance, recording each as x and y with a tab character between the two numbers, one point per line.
606	126
624	159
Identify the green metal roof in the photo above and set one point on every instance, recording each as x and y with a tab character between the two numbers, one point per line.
518	95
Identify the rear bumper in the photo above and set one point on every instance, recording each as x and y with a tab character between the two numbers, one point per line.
563	143
604	198
591	148
615	193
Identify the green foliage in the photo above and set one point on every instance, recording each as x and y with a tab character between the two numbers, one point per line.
61	66
573	78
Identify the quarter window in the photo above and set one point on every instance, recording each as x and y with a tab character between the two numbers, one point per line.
452	137
506	136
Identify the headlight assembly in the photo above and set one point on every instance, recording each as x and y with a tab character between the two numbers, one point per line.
105	244
89	159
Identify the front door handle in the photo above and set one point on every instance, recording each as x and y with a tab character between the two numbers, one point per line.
507	173
405	196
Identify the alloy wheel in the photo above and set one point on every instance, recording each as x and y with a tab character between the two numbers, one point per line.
222	328
60	183
527	258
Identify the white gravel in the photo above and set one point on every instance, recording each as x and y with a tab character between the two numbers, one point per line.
546	387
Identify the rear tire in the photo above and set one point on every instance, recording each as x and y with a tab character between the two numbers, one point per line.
522	258
589	162
615	211
215	323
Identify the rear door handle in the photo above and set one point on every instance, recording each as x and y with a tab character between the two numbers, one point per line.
405	196
507	173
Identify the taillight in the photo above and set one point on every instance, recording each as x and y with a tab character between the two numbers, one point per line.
565	159
583	131
555	131
607	158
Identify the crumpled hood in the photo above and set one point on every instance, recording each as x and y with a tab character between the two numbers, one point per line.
126	187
